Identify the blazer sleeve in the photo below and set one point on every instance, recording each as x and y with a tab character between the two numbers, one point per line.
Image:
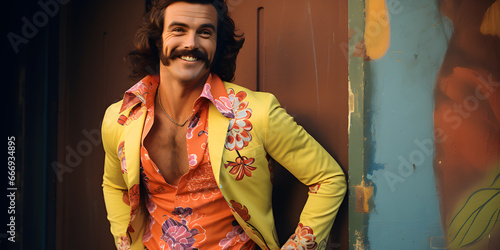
297	151
113	185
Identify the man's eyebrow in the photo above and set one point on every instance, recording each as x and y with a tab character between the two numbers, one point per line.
205	25
174	23
208	25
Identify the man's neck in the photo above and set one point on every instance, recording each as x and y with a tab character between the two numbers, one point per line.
177	98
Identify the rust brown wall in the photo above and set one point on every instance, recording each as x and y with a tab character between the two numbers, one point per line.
95	35
292	50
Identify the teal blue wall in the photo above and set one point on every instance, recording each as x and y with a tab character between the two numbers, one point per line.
405	213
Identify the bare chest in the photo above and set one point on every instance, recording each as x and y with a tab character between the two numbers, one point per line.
166	145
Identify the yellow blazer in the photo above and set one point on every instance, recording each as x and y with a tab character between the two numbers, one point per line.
274	133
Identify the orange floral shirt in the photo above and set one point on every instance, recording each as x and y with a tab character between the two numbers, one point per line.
193	214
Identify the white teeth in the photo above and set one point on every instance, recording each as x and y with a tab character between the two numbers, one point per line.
188	58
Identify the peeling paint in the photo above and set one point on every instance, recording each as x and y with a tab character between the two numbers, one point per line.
361	51
359	245
363	194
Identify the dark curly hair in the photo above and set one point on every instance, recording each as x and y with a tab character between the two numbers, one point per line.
144	58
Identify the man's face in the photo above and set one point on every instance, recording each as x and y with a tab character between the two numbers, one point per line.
189	41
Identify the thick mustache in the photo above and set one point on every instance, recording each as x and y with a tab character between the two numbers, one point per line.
200	55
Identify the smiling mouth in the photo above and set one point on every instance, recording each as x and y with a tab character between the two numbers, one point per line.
188	58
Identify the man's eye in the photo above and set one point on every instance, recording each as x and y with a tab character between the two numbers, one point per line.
206	33
177	30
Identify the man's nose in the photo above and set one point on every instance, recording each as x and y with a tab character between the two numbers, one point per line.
190	41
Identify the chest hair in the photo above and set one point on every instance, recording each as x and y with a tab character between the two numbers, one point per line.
166	145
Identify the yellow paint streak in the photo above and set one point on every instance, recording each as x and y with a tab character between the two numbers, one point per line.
377	29
491	20
363	194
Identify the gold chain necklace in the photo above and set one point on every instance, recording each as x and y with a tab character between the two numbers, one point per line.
165	112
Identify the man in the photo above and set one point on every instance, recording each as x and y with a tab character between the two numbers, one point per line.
187	152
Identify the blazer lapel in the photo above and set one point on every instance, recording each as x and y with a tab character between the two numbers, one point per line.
217	131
